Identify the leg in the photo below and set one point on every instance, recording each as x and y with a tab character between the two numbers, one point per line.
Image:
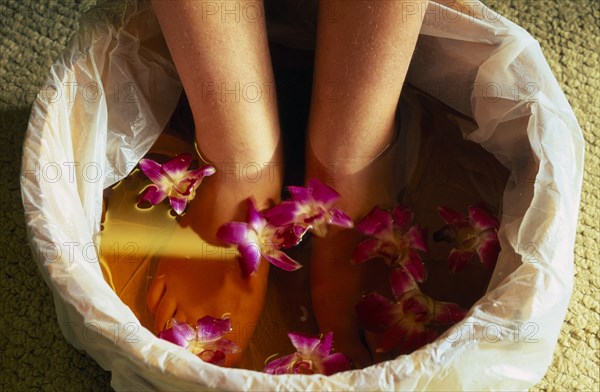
362	56
222	56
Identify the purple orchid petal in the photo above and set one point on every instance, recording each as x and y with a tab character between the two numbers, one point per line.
375	222
153	195
458	259
415	266
338	217
335	363
288	236
325	345
481	219
255	218
281	260
179	333
281	365
416	236
186	186
416	339
322	193
303	367
210	328
249	259
489	249
204	171
450	215
211	356
401	281
299	193
447	313
177	165
304	344
225	345
402	217
152	170
233	233
366	250
392	337
178	203
418	305
282	214
376	313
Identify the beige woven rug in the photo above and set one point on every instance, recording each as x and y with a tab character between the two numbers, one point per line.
33	352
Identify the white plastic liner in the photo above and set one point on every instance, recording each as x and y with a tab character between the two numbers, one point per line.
109	96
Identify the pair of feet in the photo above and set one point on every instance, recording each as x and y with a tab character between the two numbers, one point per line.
190	288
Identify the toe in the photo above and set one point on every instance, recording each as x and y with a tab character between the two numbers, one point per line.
155	293
165	311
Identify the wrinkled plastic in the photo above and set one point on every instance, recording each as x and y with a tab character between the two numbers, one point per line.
107	99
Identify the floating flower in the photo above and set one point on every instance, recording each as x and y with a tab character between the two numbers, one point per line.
313	356
258	238
311	208
206	340
394	240
409	322
477	233
173	180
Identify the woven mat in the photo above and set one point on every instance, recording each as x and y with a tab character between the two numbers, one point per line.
33	352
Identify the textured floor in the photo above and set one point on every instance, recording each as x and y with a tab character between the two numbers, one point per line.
34	354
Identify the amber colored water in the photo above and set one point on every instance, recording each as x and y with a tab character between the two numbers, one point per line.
442	168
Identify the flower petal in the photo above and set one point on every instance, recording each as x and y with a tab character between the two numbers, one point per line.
255	218
282	214
416	235
176	166
401	281
152	170
392	337
281	365
417	304
299	193
322	193
415	266
375	222
200	173
376	313
489	249
366	250
233	232
447	313
210	328
481	218
338	217
402	217
281	260
153	195
416	339
304	344
249	259
178	203
211	356
458	259
335	363
288	236
225	345
179	333
450	215
325	346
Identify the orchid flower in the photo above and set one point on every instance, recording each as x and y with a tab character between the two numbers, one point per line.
258	238
173	180
311	208
477	233
410	321
394	240
206	340
313	356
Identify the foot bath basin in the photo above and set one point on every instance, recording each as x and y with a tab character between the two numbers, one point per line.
482	119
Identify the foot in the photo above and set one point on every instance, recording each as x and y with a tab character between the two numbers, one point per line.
336	284
196	277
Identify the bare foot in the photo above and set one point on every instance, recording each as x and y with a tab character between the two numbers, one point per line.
196	277
336	284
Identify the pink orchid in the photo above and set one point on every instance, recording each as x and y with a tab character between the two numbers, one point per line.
173	180
477	233
313	356
206	340
394	240
410	321
259	238
311	208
